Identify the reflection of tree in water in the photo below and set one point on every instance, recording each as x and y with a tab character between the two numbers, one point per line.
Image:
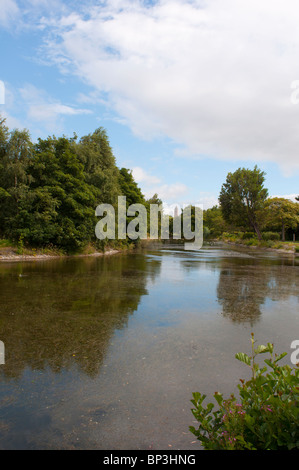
284	282
242	289
58	313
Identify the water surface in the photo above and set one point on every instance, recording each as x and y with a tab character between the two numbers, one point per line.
104	353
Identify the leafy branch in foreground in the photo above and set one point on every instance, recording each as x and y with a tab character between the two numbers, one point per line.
266	415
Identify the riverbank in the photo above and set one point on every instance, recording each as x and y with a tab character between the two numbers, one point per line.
289	248
10	253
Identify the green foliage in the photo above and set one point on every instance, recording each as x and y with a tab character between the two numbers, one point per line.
20	246
281	214
270	236
214	222
251	242
5	243
248	235
242	198
266	415
129	188
49	190
206	233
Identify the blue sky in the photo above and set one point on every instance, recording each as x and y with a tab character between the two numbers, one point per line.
188	90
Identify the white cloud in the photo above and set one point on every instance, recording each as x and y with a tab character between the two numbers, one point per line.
141	176
213	76
151	185
9	11
172	193
208	200
10	121
43	108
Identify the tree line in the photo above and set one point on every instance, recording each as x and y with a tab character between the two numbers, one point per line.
245	205
49	190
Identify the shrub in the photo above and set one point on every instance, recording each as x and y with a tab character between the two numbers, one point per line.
251	242
278	245
248	235
270	236
297	249
266	416
206	232
268	243
20	246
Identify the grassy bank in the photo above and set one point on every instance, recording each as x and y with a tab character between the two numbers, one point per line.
10	251
243	239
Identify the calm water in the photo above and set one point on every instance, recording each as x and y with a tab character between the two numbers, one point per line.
104	353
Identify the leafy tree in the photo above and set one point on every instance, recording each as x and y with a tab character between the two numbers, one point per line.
157	201
49	190
4	137
16	151
242	198
154	200
130	188
213	220
281	213
60	196
95	153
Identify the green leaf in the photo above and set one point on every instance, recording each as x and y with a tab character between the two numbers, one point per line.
270	347
261	349
278	358
270	363
218	397
243	358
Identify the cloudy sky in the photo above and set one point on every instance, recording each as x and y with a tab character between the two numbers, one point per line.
187	90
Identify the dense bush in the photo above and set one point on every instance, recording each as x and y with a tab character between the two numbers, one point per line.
270	236
265	417
206	232
251	242
248	235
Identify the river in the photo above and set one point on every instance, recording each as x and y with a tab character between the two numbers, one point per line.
104	353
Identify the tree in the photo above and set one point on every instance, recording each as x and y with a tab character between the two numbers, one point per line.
281	213
95	153
129	188
16	150
61	209
49	191
213	220
154	200
4	137
242	198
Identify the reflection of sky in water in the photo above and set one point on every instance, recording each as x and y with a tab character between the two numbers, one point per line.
105	353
